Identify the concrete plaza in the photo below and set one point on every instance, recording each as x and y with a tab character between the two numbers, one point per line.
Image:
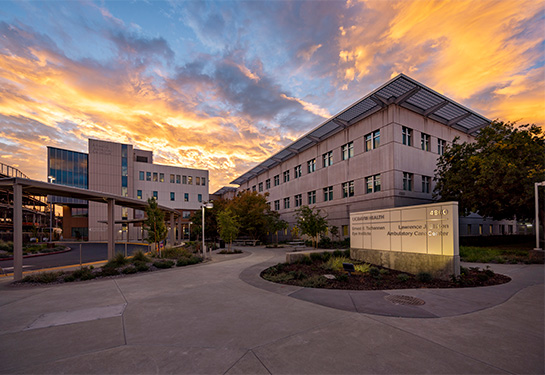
221	318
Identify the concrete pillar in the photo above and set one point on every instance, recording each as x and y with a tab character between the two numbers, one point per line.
111	228
172	229
17	232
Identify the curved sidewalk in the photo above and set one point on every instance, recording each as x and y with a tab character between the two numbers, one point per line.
436	302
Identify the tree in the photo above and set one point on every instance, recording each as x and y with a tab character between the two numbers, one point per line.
495	175
210	218
334	230
311	222
155	223
275	224
252	209
228	225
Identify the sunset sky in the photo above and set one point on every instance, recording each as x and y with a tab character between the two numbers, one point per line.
224	85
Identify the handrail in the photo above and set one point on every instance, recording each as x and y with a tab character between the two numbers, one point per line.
10	171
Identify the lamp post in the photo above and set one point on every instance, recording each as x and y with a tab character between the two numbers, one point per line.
204	205
51	179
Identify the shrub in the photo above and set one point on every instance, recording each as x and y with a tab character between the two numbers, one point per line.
347	253
6	246
424	277
175	253
316	257
338	253
489	272
343	278
384	271
141	266
297	275
362	268
305	260
314	282
463	271
403	277
325	243
43	277
326	256
84	273
68	278
181	262
163	264
109	271
483	277
140	256
130	269
335	263
278	278
375	272
117	261
194	259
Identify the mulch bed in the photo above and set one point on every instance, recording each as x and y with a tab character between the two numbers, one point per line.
312	275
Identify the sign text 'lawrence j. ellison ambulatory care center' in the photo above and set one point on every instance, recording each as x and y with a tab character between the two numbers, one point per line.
416	238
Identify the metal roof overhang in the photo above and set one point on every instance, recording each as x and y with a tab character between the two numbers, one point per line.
35	187
401	90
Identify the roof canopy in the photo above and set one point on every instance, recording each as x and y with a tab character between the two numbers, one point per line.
401	90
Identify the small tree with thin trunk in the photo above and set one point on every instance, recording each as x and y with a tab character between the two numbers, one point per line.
311	222
155	223
228	225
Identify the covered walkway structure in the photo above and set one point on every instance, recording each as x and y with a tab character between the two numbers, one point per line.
24	186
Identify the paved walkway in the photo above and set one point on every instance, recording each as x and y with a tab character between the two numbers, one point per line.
221	318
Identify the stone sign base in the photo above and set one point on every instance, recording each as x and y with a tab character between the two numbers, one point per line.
439	266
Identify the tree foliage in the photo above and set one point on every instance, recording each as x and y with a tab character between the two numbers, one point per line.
253	210
495	175
210	221
155	223
228	226
311	222
275	224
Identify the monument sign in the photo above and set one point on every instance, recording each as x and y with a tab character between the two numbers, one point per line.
412	239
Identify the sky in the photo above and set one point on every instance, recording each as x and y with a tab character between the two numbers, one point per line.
223	85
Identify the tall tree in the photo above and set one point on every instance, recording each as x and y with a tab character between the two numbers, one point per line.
155	223
495	175
252	209
311	222
228	225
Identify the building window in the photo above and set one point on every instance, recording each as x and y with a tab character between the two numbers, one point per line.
186	214
347	151
372	140
311	197
155	195
177	178
426	183
186	197
298	171
407	181
203	181
286	176
260	187
79	211
311	165
199	198
468	228
197	180
425	141
184	180
161	177
141	175
345	230
328	193
268	183
172	196
480	229
277	205
491	229
372	184
441	145
298	200
148	176
155	177
189	180
327	158
172	179
348	189
139	194
277	180
286	203
407	136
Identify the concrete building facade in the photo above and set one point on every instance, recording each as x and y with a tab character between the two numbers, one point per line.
381	152
123	170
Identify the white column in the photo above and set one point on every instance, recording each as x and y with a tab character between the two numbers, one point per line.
17	232
111	228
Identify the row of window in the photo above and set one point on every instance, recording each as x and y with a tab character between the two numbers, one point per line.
160	177
425	140
408	182
501	229
155	194
347	188
372	141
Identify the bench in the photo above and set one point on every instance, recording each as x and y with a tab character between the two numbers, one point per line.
245	242
297	244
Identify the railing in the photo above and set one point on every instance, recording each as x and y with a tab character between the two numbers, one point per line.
9	171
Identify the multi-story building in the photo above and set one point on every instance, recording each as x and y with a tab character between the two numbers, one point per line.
380	152
123	170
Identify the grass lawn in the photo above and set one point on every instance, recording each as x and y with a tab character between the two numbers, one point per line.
511	253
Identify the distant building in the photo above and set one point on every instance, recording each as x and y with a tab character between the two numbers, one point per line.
380	152
123	170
